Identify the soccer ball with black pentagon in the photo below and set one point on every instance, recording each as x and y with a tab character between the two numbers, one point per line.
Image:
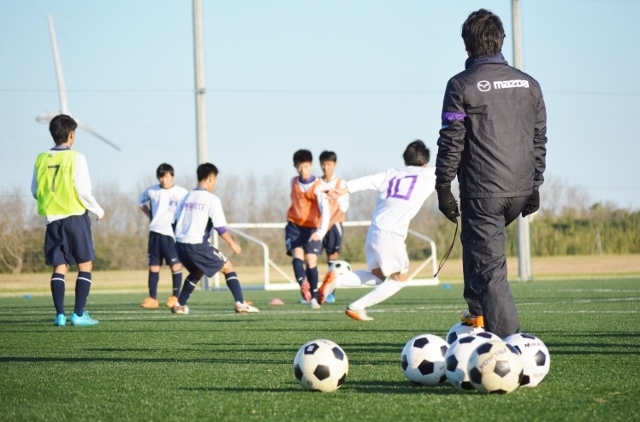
321	365
495	367
422	359
340	267
536	359
457	358
460	330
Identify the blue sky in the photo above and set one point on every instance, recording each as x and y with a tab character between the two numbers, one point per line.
360	77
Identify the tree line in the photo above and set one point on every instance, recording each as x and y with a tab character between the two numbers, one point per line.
567	224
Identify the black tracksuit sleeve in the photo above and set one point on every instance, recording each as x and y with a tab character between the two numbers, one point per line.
452	134
540	143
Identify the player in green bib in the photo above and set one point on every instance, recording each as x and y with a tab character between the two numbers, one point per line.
62	187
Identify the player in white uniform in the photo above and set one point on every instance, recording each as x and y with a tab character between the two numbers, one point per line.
401	194
332	241
159	203
307	224
199	213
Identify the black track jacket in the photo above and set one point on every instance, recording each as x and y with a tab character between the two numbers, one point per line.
494	127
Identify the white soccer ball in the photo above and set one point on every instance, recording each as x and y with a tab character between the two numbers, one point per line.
422	359
495	367
535	357
488	336
340	267
321	365
457	358
460	330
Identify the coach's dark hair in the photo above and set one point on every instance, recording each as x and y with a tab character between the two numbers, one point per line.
483	34
60	127
328	156
205	170
302	156
163	169
416	154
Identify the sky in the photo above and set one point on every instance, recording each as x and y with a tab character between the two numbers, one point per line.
360	77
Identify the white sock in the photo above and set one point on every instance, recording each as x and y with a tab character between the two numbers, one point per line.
379	294
357	279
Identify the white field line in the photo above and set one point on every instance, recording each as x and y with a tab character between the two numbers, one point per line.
118	291
591	312
155	315
591	290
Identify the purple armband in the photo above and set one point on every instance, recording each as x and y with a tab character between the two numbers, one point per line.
221	230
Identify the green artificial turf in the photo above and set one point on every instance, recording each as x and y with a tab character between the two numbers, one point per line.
216	365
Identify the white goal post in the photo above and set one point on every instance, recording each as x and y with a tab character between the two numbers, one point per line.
290	283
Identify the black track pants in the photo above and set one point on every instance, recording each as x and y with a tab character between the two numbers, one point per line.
484	260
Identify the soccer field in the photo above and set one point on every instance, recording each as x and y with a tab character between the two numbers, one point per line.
217	365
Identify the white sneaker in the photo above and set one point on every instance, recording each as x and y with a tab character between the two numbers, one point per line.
243	308
358	315
177	309
313	304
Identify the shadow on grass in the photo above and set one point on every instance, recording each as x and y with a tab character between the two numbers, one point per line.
398	387
234	361
383	387
243	389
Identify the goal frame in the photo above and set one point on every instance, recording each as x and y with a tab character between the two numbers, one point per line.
290	283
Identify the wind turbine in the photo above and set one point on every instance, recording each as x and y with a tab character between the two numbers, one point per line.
62	93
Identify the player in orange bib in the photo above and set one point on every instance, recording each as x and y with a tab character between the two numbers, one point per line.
307	223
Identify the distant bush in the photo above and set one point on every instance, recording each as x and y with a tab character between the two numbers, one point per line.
562	227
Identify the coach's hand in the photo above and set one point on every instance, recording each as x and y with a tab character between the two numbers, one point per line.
447	202
534	203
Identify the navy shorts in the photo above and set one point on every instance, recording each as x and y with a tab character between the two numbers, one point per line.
69	241
298	237
332	241
202	256
161	248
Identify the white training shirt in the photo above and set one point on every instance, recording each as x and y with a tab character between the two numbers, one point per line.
401	194
197	214
82	183
163	204
336	183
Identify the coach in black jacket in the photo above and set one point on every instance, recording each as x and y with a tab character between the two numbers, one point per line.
493	138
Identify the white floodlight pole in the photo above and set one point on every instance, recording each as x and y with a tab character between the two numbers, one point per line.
524	242
201	100
200	91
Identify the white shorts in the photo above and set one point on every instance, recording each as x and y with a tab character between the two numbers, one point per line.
387	251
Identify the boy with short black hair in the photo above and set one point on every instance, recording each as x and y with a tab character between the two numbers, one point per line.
159	203
62	187
332	241
307	223
198	214
401	194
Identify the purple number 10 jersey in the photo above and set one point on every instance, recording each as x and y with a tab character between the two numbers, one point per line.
401	194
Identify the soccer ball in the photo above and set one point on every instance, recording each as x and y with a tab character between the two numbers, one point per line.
340	267
457	358
535	357
460	330
423	359
495	367
487	335
321	365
